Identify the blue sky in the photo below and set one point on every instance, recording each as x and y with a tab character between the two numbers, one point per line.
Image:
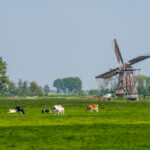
42	40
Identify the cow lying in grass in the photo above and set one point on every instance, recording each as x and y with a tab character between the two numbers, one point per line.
46	111
92	107
20	109
12	111
58	109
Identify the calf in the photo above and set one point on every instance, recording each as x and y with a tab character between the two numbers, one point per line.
20	109
11	111
58	109
92	107
46	111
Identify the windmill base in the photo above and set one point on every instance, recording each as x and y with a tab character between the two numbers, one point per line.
126	85
130	97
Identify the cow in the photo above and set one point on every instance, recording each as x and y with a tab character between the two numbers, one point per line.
46	111
107	96
58	109
12	111
20	109
92	107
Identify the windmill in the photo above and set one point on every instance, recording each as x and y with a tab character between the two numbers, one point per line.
126	78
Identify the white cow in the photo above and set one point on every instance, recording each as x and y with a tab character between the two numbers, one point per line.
12	111
58	109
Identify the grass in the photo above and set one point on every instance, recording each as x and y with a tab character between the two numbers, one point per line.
119	124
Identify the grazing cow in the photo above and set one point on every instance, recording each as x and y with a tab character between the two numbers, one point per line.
92	107
46	111
20	109
58	109
12	111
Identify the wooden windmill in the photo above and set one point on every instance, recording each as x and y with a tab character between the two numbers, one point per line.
126	79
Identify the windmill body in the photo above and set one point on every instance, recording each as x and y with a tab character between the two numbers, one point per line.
126	80
126	85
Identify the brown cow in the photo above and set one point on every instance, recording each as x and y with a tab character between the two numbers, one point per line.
92	107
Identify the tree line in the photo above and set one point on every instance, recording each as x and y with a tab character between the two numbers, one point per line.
24	88
70	85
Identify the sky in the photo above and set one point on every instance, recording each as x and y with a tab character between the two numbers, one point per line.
43	40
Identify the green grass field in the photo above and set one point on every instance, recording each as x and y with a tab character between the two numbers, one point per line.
122	125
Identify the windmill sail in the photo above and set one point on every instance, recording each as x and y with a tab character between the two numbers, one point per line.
108	74
117	52
138	59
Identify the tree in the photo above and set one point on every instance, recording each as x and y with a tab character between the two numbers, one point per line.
46	90
143	85
22	88
94	92
35	90
71	84
4	80
59	85
19	87
25	88
12	89
107	85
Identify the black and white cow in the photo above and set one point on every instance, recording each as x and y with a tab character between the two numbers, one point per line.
46	111
20	109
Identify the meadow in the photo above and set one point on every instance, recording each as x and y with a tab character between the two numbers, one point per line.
119	124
